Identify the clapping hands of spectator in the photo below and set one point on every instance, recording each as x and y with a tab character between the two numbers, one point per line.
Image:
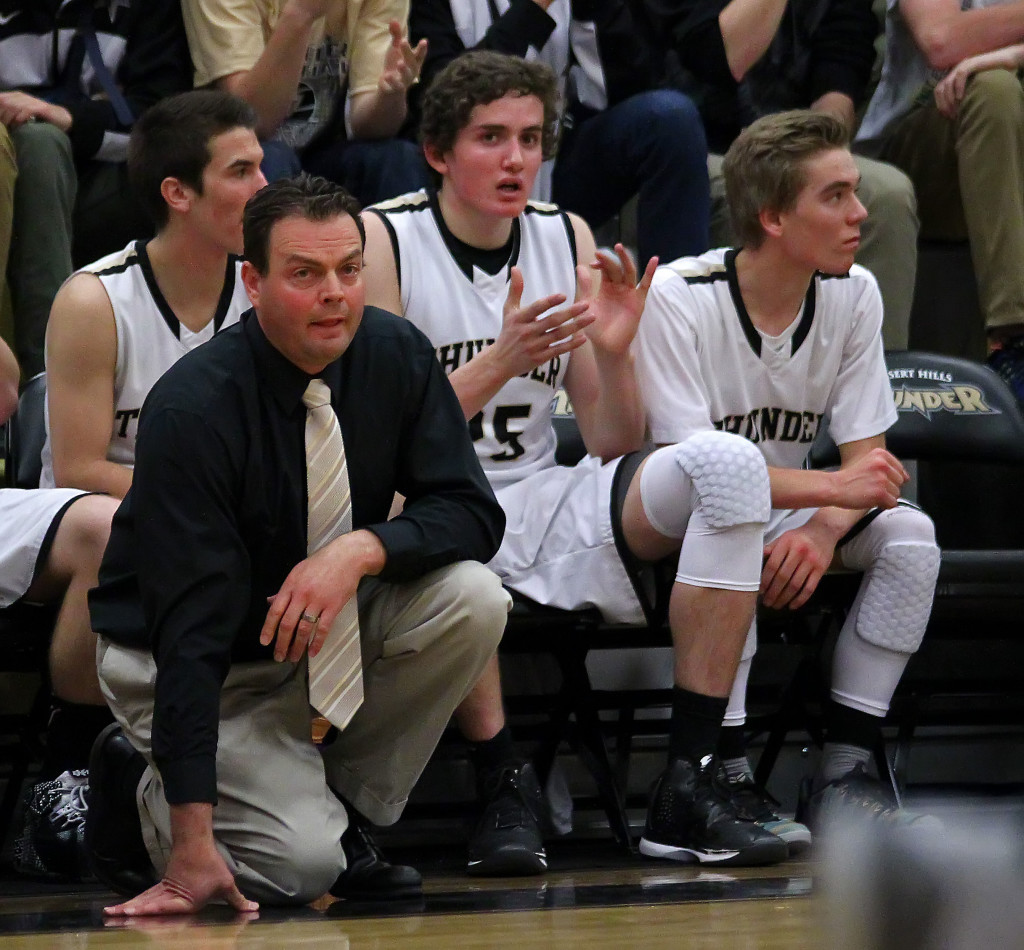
403	63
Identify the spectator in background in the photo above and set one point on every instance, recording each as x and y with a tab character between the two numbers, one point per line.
73	78
327	78
949	110
620	135
741	59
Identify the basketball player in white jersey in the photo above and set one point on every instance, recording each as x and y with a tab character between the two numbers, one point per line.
769	342
114	328
493	280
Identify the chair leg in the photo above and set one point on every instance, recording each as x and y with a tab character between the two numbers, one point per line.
624	745
904	738
588	738
792	712
27	747
886	771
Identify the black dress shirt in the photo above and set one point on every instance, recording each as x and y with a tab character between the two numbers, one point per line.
216	516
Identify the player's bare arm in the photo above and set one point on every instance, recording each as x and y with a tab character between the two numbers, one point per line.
196	872
869	477
380	273
379	113
269	87
947	35
81	355
601	379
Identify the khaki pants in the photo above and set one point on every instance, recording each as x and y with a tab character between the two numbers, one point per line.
969	176
277	822
888	237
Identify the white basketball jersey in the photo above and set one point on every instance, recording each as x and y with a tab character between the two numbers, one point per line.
461	313
702	363
150	339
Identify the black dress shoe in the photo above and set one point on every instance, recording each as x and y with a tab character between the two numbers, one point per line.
367	876
113	832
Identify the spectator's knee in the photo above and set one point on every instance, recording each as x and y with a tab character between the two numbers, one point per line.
887	191
676	124
39	142
993	96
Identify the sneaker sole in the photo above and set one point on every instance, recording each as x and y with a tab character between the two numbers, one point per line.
797	837
511	862
769	853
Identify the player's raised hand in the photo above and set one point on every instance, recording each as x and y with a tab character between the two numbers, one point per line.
530	336
618	300
872	481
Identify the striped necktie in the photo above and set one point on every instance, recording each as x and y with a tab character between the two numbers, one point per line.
336	672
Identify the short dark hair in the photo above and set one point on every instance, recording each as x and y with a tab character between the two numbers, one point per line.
765	165
477	78
171	139
305	196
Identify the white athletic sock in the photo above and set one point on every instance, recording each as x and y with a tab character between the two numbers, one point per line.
837	760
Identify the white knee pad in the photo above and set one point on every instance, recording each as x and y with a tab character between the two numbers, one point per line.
901	560
723	475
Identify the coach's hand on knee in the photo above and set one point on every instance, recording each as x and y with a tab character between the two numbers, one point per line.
302	611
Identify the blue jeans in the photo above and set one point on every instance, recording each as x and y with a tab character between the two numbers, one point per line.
279	161
651	145
371	170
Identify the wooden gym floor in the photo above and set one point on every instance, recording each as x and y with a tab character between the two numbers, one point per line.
594	897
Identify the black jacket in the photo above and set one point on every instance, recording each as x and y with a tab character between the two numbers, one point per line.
821	46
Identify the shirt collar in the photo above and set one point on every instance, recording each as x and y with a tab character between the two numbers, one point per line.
279	375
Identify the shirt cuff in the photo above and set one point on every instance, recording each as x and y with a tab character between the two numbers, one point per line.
188	780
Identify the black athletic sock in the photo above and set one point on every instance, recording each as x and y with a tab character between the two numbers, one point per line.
696	724
851	726
493	753
70	733
732	743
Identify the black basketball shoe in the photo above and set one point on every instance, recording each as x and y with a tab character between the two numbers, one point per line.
690	818
507	839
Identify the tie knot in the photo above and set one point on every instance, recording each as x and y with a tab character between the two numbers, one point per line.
316	394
